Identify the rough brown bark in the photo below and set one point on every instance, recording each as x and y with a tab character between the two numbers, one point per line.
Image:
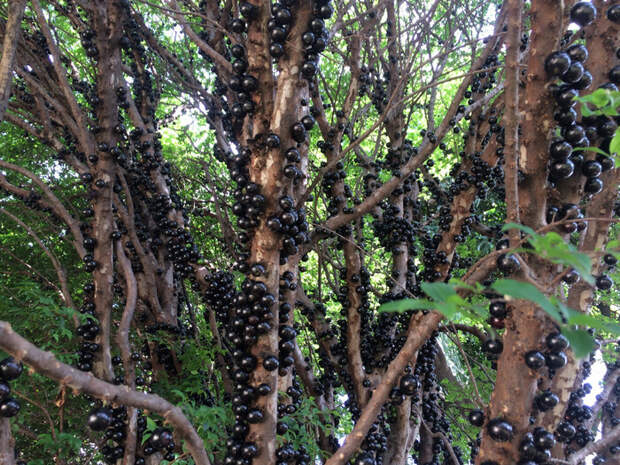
537	109
7	453
9	46
511	115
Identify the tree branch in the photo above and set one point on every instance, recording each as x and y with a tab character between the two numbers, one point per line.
46	364
595	447
420	329
9	45
511	115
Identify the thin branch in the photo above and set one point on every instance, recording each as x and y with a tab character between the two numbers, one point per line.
55	204
60	270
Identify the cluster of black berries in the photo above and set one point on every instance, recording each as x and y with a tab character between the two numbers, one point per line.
592	130
573	430
114	423
89	330
279	26
242	316
431	399
554	357
292	224
9	371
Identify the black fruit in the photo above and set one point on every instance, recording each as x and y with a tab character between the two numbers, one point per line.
161	438
263	389
409	384
560	150
543	440
365	459
555	361
582	13
614	74
562	169
577	52
556	342
10	369
5	390
591	169
571	277
566	430
557	63
508	263
271	363
534	359
593	186
574	72
493	346
476	417
99	419
498	309
546	401
9	408
604	282
500	430
255	416
613	14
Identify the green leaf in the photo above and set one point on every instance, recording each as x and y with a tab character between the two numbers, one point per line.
585	111
520	227
554	248
580	340
460	284
405	305
600	98
447	309
614	145
599	322
590	149
150	424
439	292
526	291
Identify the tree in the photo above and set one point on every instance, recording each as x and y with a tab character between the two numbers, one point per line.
309	231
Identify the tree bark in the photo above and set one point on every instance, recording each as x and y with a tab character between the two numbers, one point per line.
7	443
9	46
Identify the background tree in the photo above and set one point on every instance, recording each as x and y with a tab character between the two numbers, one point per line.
309	231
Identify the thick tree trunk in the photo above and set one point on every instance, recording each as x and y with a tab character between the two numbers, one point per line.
9	46
7	453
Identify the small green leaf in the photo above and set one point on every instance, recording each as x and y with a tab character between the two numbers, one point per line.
600	98
458	283
405	305
580	340
554	248
526	291
590	149
598	322
614	145
439	292
585	111
150	424
447	309
520	227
